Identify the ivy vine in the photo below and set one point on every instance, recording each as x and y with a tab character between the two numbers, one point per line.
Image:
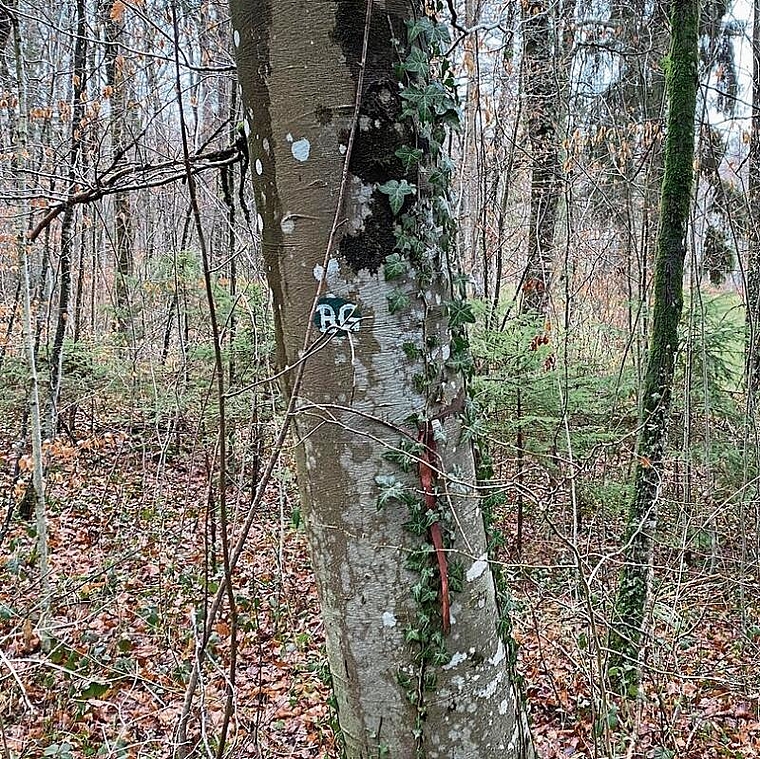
425	235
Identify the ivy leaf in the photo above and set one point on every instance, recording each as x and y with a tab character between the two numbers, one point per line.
419	27
394	267
390	489
397	192
417	62
397	301
460	362
411	351
409	156
460	312
439	34
425	102
439	179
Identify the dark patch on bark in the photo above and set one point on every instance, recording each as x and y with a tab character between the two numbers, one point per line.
323	115
380	134
369	249
350	17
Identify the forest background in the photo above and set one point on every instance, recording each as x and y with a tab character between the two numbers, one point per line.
112	424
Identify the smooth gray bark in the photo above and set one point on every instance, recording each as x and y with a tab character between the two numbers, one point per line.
299	65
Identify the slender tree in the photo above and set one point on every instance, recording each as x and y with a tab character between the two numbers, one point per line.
353	214
753	262
78	92
681	88
540	91
114	25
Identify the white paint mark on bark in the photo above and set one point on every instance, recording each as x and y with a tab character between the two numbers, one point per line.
342	149
457	658
362	196
333	269
301	149
477	569
236	38
389	619
259	167
490	689
247	129
265	144
289	137
288	224
259	222
500	654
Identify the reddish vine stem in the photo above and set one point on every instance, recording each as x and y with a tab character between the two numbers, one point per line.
428	465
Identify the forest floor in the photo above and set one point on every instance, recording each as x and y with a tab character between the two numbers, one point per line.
132	547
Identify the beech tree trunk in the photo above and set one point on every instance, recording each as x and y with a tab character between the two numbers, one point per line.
375	380
681	88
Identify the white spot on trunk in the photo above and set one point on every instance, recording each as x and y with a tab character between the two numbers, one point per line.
300	149
457	658
236	38
500	654
289	137
266	145
342	149
389	619
259	167
259	222
288	224
247	128
333	268
504	706
362	195
490	689
477	569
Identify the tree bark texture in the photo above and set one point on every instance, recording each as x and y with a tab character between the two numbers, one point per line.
69	217
542	109
753	259
300	65
118	98
681	89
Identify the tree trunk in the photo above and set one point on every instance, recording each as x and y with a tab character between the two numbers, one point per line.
681	87
541	96
377	418
753	259
20	168
114	30
69	216
471	171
